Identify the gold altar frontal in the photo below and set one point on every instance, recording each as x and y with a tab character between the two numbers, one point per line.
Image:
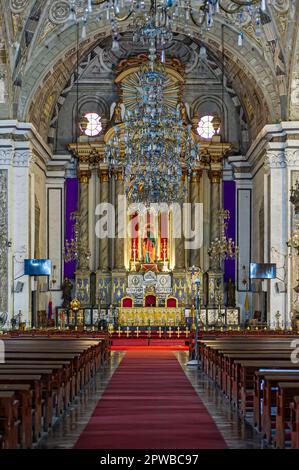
155	316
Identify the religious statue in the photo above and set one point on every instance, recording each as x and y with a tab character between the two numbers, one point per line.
231	293
67	288
149	244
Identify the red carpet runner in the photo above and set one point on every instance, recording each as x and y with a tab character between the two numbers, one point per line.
150	404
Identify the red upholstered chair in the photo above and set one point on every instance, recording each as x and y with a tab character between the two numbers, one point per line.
127	302
171	302
150	300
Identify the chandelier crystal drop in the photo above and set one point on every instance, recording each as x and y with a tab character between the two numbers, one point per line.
158	147
157	19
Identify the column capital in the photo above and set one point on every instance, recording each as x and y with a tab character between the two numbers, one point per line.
196	176
103	174
84	176
118	173
275	159
215	176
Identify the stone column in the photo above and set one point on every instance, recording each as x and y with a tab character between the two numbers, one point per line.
215	206
83	261
104	198
180	263
119	242
195	199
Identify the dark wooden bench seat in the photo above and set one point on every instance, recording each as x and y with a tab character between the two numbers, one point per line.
294	410
285	396
265	396
24	394
46	374
9	422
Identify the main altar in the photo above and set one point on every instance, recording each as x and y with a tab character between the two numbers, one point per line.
142	272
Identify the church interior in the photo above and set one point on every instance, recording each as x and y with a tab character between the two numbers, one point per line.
149	224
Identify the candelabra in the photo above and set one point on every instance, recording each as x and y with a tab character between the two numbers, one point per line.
223	247
74	249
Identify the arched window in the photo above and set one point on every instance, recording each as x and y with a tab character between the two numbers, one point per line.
205	127
94	126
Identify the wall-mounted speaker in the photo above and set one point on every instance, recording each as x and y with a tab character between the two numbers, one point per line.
280	287
19	287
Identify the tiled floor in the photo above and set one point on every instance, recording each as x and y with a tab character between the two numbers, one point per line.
236	432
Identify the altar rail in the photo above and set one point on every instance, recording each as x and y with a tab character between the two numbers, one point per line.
145	316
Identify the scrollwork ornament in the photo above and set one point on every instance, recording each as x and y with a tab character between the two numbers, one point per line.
281	6
3	242
23	158
292	158
6	157
275	160
59	12
17	6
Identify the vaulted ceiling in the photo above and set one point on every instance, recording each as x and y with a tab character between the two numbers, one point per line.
38	57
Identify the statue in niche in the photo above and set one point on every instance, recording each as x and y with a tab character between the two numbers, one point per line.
149	245
231	293
67	288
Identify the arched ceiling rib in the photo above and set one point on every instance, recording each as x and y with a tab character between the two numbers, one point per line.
46	56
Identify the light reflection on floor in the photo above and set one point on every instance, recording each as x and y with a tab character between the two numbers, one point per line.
236	432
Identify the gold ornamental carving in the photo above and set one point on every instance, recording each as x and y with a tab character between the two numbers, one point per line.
84	176
196	176
215	176
118	173
103	175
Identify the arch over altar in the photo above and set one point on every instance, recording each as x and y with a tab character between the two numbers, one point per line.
150	257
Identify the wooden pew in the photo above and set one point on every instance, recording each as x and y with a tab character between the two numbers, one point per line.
52	372
294	409
285	396
265	396
34	381
9	420
24	394
50	389
244	372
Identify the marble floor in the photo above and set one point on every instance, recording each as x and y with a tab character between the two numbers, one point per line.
237	433
68	428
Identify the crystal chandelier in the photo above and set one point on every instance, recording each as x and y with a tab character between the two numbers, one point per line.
159	18
223	247
158	146
74	248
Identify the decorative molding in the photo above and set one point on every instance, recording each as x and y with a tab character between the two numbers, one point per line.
3	242
292	157
6	157
23	158
17	6
59	12
275	160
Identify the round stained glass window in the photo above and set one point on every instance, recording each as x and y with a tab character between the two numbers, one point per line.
94	125
205	127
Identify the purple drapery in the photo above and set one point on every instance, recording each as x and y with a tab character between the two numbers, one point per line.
71	205
229	202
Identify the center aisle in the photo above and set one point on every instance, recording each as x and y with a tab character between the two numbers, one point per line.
150	404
